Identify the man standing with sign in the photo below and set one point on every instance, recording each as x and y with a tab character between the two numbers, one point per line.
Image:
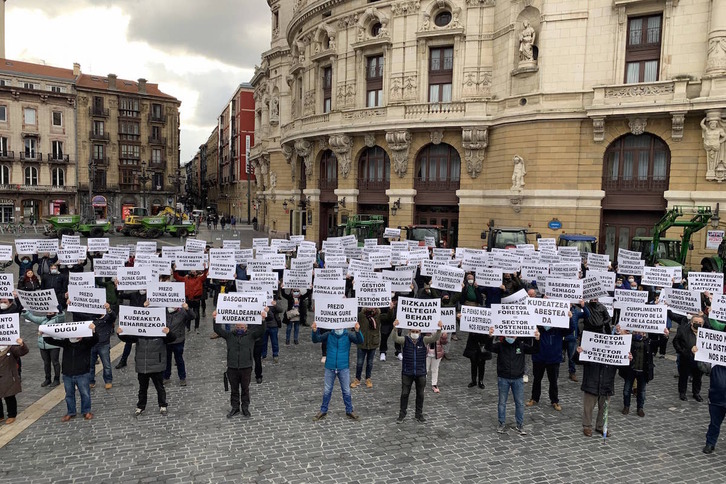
193	289
716	395
683	342
176	320
336	365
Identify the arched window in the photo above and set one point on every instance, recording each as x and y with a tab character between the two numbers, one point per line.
328	171
374	168
31	176
637	163
4	175
58	177
438	167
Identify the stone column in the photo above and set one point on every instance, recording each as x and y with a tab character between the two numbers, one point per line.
716	57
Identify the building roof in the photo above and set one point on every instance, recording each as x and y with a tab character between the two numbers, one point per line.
8	66
89	81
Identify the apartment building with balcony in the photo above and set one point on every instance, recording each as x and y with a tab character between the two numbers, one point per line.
423	105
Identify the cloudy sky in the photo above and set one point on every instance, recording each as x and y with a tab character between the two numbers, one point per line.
196	50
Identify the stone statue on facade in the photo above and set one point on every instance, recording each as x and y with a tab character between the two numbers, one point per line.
518	174
274	110
714	142
526	44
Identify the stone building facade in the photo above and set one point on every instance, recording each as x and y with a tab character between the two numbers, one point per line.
425	105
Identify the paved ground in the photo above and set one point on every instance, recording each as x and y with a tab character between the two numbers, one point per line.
280	443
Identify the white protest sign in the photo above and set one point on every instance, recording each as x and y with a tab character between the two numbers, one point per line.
260	242
265	277
534	272
400	280
259	265
79	329
506	260
302	264
682	301
568	289
391	233
448	319
718	308
623	297
657	276
168	251
256	286
370	242
336	273
423	314
714	239
624	254
188	261
7	285
166	294
48	245
631	267
241	256
328	287
565	270
518	297
711	346
71	255
240	308
647	318
123	252
592	288
9	329
89	300
429	266
333	261
380	260
222	269
706	281
133	278
489	277
607	279
296	278
475	319
447	278
598	262
26	246
146	247
231	244
608	303
43	301
70	241
195	245
100	244
336	313
135	321
547	244
6	252
513	320
609	349
297	239
373	294
106	267
549	312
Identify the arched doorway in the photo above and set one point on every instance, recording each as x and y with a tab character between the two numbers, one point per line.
635	176
438	174
374	178
328	199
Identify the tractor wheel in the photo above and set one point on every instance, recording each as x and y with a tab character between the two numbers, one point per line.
96	232
181	233
153	234
66	231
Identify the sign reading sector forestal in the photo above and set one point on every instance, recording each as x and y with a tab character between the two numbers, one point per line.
512	320
610	349
423	314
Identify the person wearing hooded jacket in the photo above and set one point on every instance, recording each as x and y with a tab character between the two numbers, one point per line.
10	378
716	396
48	351
25	263
176	320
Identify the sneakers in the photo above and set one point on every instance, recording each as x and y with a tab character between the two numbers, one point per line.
88	416
323	360
525	378
400	418
10	420
400	357
625	410
352	416
383	357
45	383
233	412
138	412
573	377
520	430
121	364
531	403
420	419
67	418
163	410
369	383
183	383
275	359
108	386
92	385
502	429
355	384
319	416
436	389
258	380
246	413
557	406
641	412
708	449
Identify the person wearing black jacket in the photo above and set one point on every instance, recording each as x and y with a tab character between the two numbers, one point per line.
240	356
511	352
76	365
271	324
150	365
683	342
137	300
716	396
57	282
102	349
177	320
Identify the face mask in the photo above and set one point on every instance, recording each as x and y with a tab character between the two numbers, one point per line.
414	336
170	310
695	326
74	340
547	328
54	271
633	287
509	340
142	292
470	282
26	260
238	332
631	280
339	332
4	306
296	294
638	337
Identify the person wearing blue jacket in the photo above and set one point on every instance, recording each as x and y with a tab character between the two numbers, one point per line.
548	360
336	364
716	396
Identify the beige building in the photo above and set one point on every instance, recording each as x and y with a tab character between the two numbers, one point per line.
213	174
37	142
424	105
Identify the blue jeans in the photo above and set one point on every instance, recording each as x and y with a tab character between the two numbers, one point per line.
517	386
628	388
571	350
82	382
178	350
289	328
717	413
271	333
103	352
344	377
362	355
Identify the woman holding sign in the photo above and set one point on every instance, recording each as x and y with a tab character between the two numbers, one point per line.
9	378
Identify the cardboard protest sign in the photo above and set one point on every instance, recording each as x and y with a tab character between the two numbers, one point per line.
335	261
657	276
296	278
682	301
76	329
607	279
166	294
610	349
297	239
718	308
169	251
221	254
513	320
328	287
222	269
711	346
133	278
106	267
188	261
43	301
259	242
240	308
447	278
646	318
518	297
302	264
547	244
357	266
598	262
631	255
26	246
49	246
475	319
400	280
241	256
373	294
88	300
100	244
474	262
428	267
568	289
549	312
135	321
71	255
592	288
70	241
9	329
623	297
506	260
336	313
423	314
706	281
380	260
7	285
6	252
489	277
391	233
277	261
195	245
259	265
448	319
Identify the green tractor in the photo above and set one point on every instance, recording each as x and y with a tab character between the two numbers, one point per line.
154	227
59	225
363	227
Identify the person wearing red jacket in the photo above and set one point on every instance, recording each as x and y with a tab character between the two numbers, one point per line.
193	288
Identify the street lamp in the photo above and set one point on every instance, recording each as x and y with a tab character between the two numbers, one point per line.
715	219
175	180
143	178
396	205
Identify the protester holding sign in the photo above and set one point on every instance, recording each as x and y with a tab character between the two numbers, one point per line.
176	320
76	367
434	354
640	371
136	299
57	282
10	379
150	365
25	263
511	353
684	341
716	395
336	365
296	313
193	289
28	281
548	360
370	321
102	349
49	352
